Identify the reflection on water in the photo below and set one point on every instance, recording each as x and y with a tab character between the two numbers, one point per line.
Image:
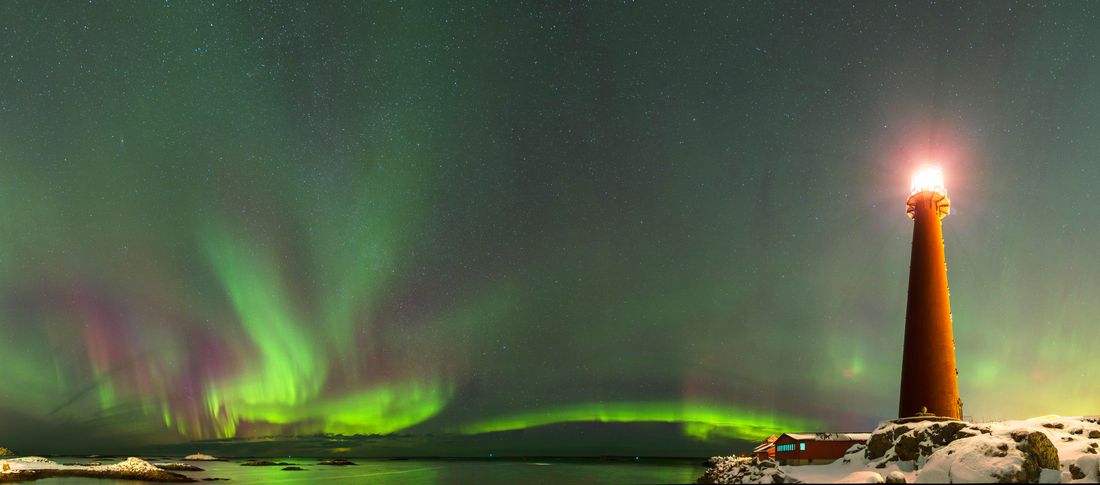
435	471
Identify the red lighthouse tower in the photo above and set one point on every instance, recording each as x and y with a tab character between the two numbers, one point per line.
929	378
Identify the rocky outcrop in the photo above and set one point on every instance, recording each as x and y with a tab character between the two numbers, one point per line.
1086	467
1039	454
1049	449
201	457
917	441
265	463
178	467
1020	457
30	459
130	469
335	462
731	469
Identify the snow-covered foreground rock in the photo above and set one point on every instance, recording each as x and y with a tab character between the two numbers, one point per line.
731	469
36	467
1040	450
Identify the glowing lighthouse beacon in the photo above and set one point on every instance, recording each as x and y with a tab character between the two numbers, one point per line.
929	379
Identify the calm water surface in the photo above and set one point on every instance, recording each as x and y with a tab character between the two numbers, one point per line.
431	472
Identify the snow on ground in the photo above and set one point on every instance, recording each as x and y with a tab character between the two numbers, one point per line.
28	463
36	467
1047	450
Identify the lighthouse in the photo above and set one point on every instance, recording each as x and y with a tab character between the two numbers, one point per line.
929	379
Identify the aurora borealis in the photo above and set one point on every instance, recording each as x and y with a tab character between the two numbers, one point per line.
683	222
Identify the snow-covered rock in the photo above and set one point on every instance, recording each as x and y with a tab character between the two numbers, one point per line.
131	465
1085	467
915	442
178	467
29	459
1046	450
34	468
988	460
732	469
200	457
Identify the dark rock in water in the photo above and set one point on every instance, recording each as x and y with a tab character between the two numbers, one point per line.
265	463
336	462
293	469
178	467
1094	434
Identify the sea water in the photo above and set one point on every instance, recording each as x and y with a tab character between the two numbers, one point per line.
433	471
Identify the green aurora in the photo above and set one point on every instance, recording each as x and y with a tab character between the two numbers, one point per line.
457	220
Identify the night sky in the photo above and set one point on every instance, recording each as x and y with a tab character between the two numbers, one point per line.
505	223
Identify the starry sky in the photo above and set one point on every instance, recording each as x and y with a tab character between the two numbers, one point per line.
564	228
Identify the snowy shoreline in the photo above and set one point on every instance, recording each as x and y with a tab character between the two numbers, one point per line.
36	468
1044	450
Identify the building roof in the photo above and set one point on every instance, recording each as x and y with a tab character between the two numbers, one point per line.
829	436
763	447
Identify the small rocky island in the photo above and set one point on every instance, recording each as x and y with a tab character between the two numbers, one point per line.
178	467
36	468
201	457
265	463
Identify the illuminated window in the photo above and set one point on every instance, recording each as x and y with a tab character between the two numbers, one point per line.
787	447
802	447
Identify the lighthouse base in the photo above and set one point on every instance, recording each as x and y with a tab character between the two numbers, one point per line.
918	419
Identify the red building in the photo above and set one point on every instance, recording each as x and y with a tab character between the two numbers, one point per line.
815	448
766	450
